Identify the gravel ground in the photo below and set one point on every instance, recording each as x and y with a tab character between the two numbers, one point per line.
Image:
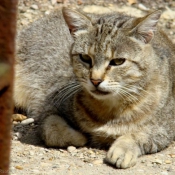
29	156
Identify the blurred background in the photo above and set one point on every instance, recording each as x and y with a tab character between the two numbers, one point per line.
30	10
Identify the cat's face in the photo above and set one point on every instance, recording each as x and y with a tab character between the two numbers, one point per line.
108	61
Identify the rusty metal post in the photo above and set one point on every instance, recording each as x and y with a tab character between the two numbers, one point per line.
8	12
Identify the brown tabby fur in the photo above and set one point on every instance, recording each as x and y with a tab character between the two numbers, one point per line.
108	84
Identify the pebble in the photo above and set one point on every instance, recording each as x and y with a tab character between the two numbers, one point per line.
15	122
18	135
168	161
98	162
47	12
43	164
71	149
27	121
36	171
172	155
34	7
31	153
157	161
164	173
27	15
142	7
53	2
19	167
18	117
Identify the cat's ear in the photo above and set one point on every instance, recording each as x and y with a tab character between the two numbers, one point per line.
146	26
77	22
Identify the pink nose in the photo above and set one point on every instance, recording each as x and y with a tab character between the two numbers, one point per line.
96	82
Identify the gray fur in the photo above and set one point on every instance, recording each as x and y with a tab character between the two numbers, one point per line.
119	93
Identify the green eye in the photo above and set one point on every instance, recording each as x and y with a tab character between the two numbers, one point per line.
117	62
86	59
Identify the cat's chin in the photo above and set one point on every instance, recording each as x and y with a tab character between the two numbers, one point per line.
99	93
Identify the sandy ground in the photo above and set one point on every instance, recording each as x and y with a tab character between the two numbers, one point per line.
29	156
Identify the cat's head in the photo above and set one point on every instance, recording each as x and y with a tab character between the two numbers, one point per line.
111	54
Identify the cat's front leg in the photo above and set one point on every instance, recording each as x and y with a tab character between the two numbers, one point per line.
124	152
126	149
57	133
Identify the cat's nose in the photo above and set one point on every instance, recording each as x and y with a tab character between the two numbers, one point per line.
96	82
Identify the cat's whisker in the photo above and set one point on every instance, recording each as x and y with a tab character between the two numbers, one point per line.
128	95
64	89
140	88
67	96
66	93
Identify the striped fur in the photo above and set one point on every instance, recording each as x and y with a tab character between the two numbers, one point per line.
107	83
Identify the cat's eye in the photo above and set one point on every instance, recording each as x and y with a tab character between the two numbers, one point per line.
86	59
117	62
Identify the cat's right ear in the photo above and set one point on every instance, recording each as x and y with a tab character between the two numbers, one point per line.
146	26
77	22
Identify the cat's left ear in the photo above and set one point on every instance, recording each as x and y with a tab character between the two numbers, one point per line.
77	22
146	27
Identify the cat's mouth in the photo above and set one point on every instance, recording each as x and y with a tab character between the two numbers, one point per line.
98	92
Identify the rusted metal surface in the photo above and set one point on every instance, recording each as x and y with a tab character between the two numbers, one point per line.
7	43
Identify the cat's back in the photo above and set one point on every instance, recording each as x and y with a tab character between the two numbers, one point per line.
47	37
42	58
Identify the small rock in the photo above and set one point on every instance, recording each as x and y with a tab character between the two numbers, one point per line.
18	117
164	173
143	161
92	155
98	162
71	149
142	7
18	135
31	153
157	161
15	122
172	155
47	12
168	161
19	167
90	164
36	171
27	121
53	2
79	2
132	2
34	7
43	164
27	15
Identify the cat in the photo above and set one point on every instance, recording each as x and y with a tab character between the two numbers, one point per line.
100	80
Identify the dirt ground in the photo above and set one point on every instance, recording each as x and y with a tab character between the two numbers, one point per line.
30	157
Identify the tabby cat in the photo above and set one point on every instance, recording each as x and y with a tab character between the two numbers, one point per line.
104	80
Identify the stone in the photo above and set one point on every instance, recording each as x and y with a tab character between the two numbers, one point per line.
27	121
71	149
18	135
157	161
142	7
34	7
18	117
98	162
53	2
168	161
19	167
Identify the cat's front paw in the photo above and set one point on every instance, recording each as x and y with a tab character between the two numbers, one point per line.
123	153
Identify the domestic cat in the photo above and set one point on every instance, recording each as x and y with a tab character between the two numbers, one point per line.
103	80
